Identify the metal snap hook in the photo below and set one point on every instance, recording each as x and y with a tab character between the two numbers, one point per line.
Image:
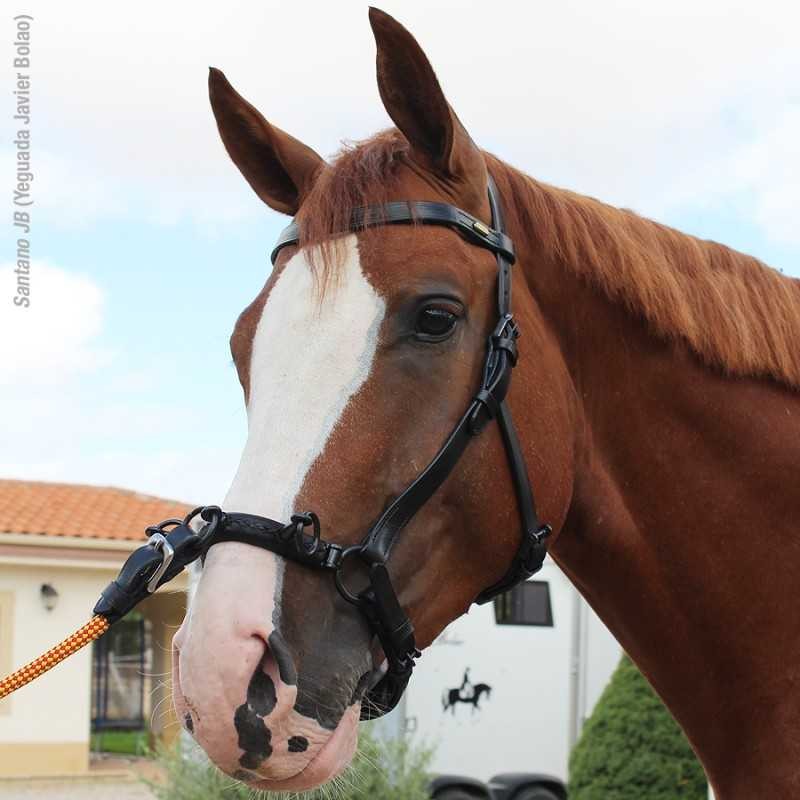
160	543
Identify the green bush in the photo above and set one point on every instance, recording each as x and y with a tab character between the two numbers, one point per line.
397	770
124	742
632	749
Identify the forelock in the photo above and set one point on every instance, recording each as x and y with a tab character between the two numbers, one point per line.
362	173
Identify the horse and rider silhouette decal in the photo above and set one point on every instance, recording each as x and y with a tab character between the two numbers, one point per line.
468	693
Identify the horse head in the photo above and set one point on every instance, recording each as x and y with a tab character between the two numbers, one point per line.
356	359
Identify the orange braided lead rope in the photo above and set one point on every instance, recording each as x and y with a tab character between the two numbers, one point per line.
92	630
143	572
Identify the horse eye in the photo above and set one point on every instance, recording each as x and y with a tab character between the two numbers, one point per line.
435	324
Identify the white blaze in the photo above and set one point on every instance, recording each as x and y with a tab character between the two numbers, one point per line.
308	360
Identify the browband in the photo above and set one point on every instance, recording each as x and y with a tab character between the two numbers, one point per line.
406	212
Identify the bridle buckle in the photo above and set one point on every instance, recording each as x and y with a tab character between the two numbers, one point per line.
158	541
481	227
540	535
506	327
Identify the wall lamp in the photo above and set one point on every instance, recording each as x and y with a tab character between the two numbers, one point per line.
49	596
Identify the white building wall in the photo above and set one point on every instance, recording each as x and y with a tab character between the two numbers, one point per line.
55	707
45	726
601	659
544	681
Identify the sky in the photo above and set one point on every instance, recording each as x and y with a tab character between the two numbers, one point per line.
147	242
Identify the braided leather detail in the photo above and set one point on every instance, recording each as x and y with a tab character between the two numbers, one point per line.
92	630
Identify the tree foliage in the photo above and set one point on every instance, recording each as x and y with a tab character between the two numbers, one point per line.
631	748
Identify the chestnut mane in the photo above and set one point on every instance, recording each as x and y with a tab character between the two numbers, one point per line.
737	314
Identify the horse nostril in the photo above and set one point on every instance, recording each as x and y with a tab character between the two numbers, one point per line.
298	744
283	658
262	695
254	736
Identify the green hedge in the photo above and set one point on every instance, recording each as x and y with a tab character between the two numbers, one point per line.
125	742
397	770
632	749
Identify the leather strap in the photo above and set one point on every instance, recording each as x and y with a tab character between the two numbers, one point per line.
288	540
379	540
488	403
532	550
416	212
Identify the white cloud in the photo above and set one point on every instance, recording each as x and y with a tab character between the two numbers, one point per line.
57	335
626	100
760	175
72	411
73	191
656	106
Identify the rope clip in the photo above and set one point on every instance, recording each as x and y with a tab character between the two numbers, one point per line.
160	543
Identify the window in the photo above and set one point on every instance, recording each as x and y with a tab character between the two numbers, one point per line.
6	620
525	604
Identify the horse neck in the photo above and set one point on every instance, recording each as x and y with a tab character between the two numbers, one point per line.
682	530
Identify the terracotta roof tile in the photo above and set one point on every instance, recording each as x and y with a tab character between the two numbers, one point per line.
92	512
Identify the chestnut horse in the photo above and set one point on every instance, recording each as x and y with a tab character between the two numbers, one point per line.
656	396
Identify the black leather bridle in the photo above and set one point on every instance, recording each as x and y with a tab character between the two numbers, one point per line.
174	543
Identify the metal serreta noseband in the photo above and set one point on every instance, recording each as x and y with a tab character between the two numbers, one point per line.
299	540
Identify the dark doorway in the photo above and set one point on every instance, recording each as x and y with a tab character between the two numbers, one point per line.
121	668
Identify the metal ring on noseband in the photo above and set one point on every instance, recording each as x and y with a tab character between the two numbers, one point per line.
354	599
301	522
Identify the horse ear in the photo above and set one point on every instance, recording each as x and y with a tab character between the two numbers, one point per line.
414	100
280	169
